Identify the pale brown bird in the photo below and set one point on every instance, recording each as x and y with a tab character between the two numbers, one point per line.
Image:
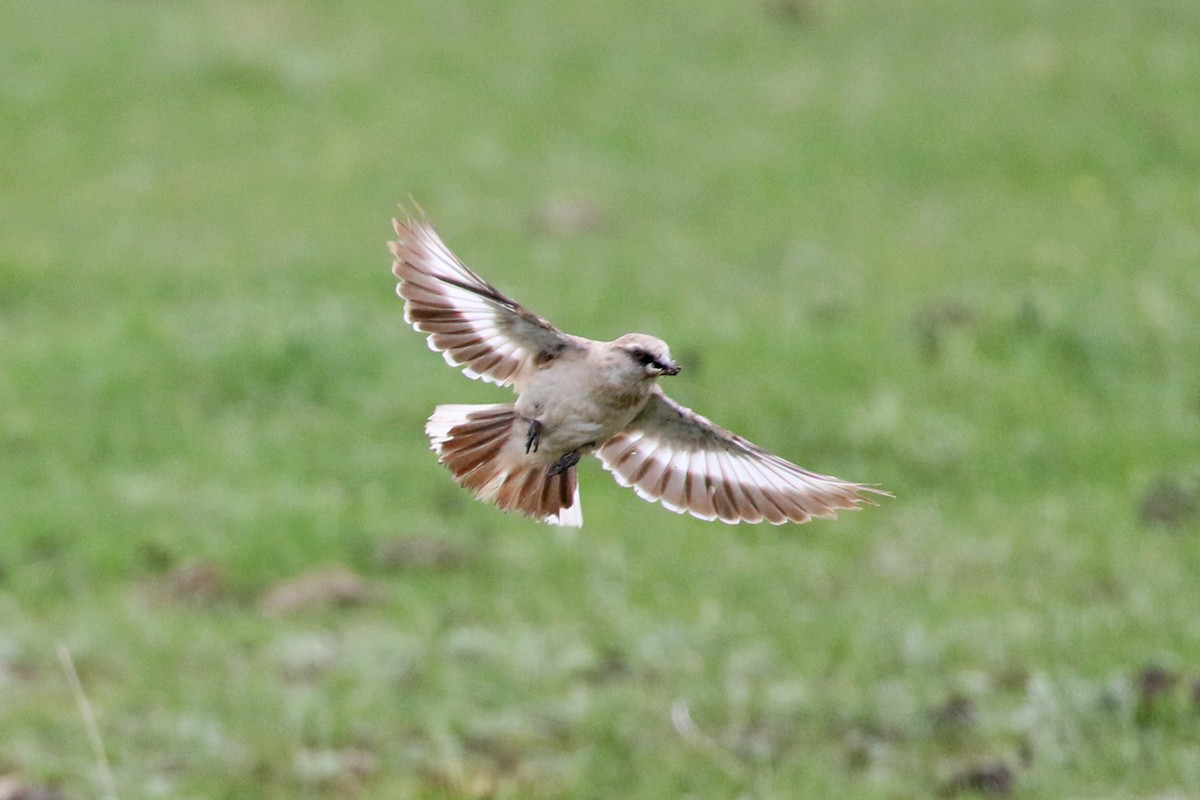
577	396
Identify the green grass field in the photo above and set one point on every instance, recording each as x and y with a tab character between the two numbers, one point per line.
949	247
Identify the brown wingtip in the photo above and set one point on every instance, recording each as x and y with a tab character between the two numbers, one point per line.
872	488
412	213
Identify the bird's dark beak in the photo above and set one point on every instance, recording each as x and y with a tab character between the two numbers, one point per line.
671	368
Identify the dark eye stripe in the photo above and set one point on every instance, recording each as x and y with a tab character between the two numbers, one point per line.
642	357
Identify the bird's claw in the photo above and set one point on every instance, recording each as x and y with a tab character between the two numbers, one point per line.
563	464
534	437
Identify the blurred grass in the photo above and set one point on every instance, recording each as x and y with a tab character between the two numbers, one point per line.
948	247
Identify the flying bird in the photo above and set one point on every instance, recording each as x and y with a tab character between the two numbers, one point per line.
575	397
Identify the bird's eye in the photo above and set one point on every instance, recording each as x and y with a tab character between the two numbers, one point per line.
644	358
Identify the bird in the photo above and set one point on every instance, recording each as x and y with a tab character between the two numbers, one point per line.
577	396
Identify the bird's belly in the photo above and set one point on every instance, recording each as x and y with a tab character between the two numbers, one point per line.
575	408
573	421
567	429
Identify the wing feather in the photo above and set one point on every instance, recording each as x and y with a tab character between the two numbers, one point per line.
700	489
470	322
674	482
672	455
739	489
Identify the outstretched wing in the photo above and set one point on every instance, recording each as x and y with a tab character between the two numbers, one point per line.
468	320
674	456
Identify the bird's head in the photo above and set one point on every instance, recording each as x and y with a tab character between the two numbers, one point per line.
651	355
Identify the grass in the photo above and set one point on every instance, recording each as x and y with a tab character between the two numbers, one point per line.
947	247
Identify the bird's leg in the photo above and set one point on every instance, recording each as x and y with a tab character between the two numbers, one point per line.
534	437
568	460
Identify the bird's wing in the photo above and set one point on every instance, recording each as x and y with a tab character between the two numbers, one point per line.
674	456
470	322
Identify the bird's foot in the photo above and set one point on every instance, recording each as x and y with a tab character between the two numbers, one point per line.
563	464
534	437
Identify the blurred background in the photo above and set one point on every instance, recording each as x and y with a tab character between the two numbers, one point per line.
952	248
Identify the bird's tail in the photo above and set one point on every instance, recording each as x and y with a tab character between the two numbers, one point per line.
484	448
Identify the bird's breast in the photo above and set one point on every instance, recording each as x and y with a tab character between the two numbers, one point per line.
578	406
